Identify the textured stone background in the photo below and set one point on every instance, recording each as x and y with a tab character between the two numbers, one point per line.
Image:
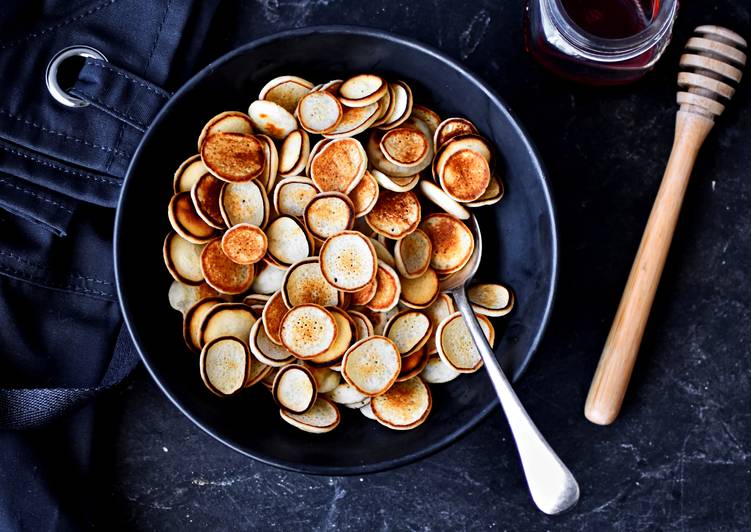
679	458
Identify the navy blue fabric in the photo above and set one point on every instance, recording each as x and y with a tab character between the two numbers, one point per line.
62	341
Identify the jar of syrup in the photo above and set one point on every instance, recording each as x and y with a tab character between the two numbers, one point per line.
600	42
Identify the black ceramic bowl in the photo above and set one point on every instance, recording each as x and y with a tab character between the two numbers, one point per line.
519	240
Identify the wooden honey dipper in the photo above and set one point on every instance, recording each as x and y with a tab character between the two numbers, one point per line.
711	68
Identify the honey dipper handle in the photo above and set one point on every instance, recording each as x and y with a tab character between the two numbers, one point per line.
617	360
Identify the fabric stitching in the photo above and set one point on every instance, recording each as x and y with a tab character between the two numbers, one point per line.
120	114
35	195
156	38
103	66
59	25
108	181
47	284
40	267
63	135
47	226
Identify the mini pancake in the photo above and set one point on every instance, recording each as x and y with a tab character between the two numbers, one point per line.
255	299
326	379
358	405
364	295
183	296
372	365
428	116
404	184
322	417
420	292
385	106
346	394
183	259
292	195
388	291
362	90
452	241
409	330
476	143
405	406
342	341
221	273
289	242
294	388
226	122
273	312
401	94
455	345
319	111
405	146
332	86
185	220
256	302
363	326
395	215
339	165
383	253
365	194
285	91
205	195
304	283
367	411
268	379
268	278
450	128
491	299
313	152
193	319
272	119
266	351
244	203
354	121
258	371
413	365
225	366
378	161
271	168
412	254
294	153
438	372
308	330
443	200
492	194
441	308
465	176
233	157
329	213
244	244
226	319
487	325
348	261
188	173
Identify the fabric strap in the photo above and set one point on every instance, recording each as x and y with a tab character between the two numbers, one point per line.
119	93
26	408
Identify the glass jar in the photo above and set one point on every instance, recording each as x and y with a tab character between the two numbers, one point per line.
610	57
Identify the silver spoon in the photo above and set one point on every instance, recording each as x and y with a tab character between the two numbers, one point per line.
552	486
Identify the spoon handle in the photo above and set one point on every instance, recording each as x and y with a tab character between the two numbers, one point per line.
554	489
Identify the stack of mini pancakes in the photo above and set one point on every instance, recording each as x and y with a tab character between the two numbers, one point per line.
314	266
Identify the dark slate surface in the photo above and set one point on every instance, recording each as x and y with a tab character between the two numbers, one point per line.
679	458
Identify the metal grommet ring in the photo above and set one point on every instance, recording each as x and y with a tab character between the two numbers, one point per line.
50	77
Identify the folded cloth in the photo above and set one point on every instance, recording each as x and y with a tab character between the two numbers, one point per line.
61	169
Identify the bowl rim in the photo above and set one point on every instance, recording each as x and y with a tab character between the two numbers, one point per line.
537	167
